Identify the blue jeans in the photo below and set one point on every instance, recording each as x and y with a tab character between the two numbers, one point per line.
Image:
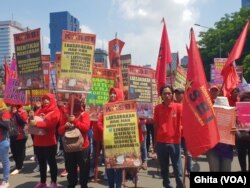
144	153
172	151
188	155
218	163
4	157
114	177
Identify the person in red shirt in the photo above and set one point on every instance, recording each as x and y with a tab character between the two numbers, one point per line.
46	145
214	92
167	123
18	144
80	120
234	97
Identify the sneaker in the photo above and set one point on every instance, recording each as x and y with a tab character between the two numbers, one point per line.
64	173
53	185
48	169
37	168
33	158
4	184
16	171
41	185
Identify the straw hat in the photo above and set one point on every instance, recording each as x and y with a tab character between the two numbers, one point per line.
221	101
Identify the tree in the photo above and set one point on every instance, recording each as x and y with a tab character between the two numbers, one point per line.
246	67
224	35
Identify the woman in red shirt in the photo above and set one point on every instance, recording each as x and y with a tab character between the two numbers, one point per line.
80	120
46	145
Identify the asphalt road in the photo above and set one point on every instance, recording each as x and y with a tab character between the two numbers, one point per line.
149	178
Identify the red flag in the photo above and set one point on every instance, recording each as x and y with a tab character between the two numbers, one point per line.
115	48
164	58
199	124
7	71
228	72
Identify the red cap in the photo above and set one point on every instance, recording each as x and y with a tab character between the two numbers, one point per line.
214	87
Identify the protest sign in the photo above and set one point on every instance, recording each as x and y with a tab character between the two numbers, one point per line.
121	135
76	62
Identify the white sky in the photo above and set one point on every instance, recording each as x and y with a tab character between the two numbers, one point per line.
137	22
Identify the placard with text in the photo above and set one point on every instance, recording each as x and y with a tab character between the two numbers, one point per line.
226	120
102	80
76	62
140	89
243	114
121	135
28	59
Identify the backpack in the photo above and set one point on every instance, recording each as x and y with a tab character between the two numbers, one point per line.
13	129
72	140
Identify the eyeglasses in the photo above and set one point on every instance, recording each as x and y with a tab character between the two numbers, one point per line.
167	93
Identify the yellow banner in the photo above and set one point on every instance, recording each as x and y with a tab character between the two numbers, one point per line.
121	135
2	104
76	61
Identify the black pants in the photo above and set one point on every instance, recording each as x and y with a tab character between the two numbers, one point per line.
47	154
72	161
18	148
243	150
150	134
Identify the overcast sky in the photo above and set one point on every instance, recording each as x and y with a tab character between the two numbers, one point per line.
137	22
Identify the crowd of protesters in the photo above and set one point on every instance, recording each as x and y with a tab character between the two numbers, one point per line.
161	134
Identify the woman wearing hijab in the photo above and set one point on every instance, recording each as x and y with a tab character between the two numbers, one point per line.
45	145
114	175
80	120
18	144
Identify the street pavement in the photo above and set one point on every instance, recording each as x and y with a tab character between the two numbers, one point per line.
149	178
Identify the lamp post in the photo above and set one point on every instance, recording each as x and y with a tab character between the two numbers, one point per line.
211	28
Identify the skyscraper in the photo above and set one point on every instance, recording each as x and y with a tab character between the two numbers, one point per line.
60	21
7	30
101	57
245	3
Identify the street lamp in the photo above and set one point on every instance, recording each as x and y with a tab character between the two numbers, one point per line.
211	28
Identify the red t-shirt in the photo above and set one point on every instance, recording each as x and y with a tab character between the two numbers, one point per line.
167	122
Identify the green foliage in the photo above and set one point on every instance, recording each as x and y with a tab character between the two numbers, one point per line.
246	67
223	36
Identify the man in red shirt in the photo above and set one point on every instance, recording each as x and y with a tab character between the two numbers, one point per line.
167	122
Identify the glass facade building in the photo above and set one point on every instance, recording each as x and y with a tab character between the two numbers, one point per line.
245	3
101	57
7	30
60	21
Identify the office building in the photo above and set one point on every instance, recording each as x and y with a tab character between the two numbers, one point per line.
101	57
245	3
60	21
174	60
184	61
7	30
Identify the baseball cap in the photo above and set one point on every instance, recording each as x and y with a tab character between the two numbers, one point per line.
179	90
